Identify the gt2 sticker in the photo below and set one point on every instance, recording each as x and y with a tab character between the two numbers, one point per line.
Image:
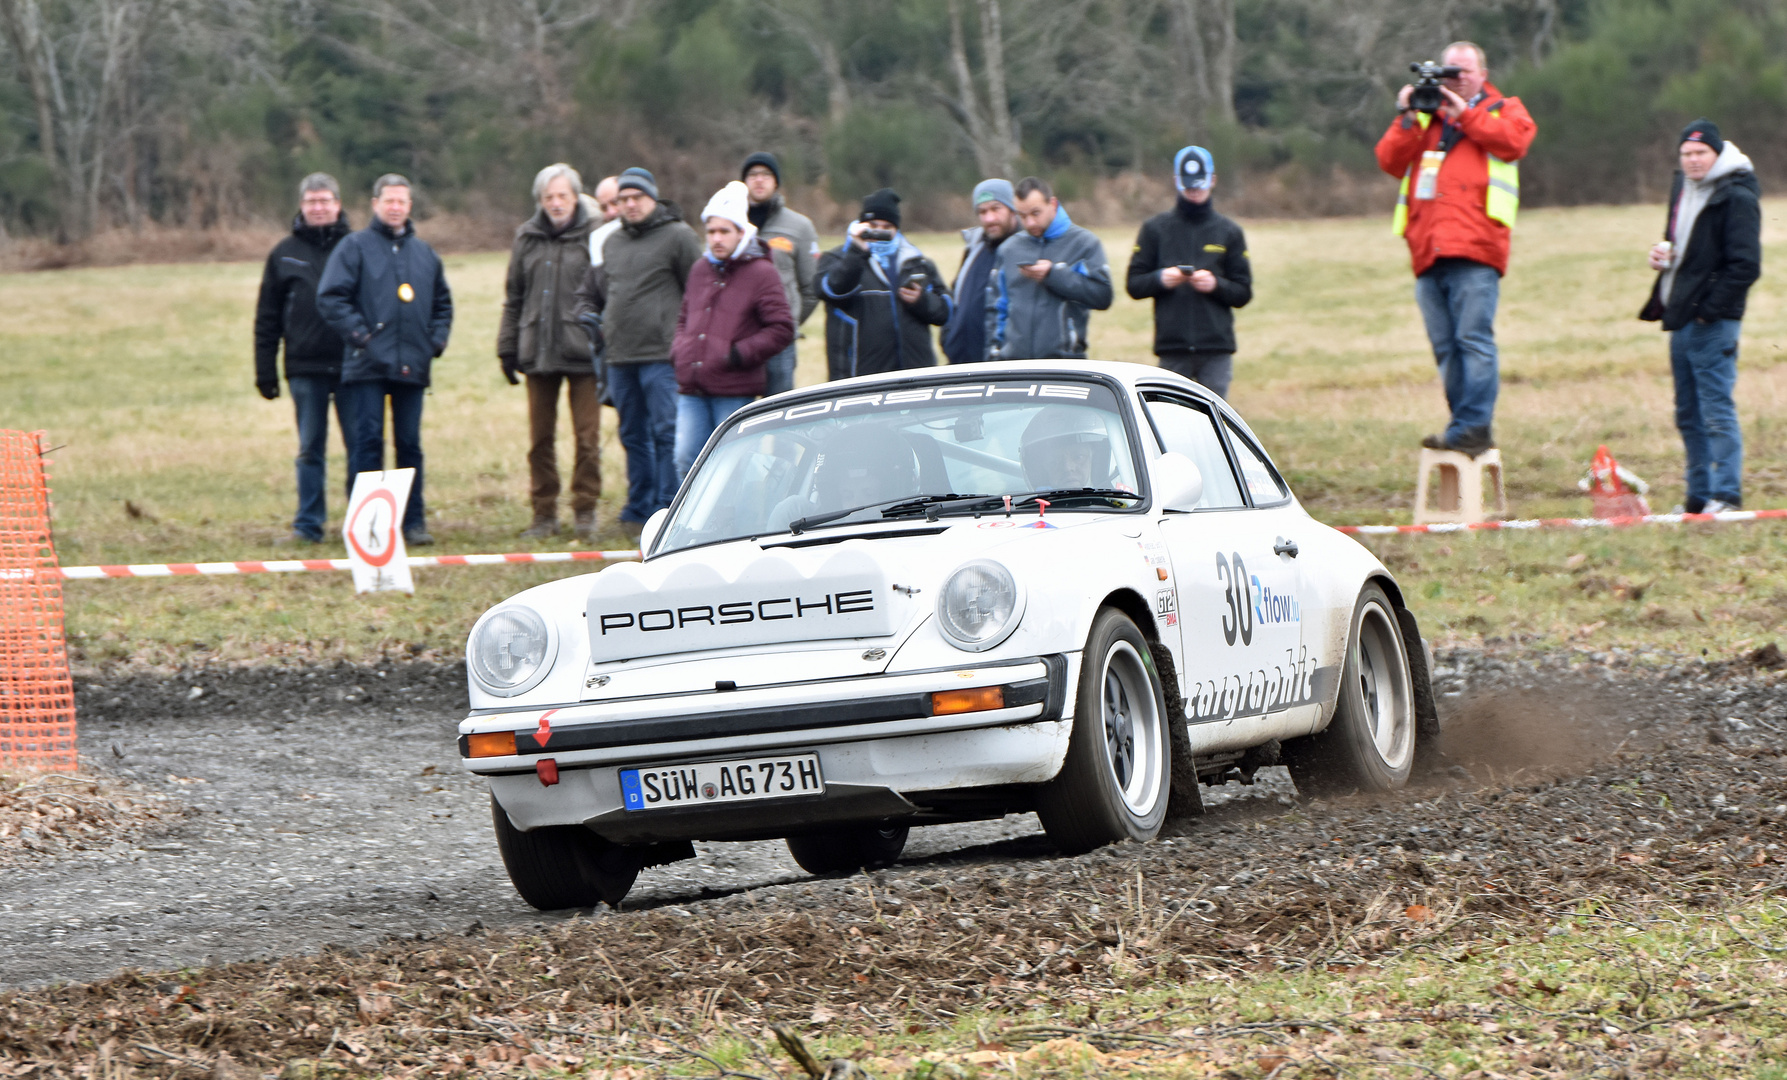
1297	681
1166	607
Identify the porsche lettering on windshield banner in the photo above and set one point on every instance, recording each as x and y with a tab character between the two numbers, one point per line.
896	400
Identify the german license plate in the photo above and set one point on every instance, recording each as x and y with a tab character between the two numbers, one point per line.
666	787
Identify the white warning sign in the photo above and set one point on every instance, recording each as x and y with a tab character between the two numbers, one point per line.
374	534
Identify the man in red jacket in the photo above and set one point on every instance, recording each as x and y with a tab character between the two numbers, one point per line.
734	317
1460	192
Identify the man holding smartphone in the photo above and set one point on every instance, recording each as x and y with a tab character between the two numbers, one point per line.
1193	262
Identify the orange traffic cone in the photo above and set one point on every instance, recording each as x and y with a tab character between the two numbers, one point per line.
1616	490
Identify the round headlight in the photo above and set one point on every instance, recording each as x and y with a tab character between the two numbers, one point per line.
980	606
510	650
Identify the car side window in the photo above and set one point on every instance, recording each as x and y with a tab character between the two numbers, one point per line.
1263	482
1186	429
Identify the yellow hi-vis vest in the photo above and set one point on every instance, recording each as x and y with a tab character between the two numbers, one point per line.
1502	203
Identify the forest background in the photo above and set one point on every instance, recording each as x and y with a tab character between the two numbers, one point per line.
149	120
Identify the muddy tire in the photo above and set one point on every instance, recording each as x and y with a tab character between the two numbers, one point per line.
863	847
563	866
1117	778
1370	743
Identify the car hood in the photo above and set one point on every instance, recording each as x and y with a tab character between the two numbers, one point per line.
839	592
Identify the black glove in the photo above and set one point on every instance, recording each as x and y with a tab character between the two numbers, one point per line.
439	347
269	390
359	338
509	367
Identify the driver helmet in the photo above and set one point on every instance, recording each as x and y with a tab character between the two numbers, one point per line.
1066	446
861	466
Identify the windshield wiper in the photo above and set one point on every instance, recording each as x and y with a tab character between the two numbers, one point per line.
1056	495
893	508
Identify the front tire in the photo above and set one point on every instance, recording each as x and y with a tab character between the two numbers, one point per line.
563	866
862	847
1370	744
1116	780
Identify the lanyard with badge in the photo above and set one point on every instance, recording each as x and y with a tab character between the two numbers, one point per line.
1427	181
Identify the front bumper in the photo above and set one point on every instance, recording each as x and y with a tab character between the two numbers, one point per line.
882	754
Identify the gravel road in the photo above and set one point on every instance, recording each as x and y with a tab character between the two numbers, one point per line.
326	806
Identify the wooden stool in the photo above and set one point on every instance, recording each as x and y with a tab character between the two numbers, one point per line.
1460	488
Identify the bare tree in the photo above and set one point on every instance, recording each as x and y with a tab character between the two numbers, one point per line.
987	117
810	22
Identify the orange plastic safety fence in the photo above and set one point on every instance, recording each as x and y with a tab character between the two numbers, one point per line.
36	692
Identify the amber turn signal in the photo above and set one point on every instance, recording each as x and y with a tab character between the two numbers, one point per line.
979	699
491	744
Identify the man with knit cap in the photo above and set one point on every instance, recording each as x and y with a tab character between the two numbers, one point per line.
638	289
965	338
1046	282
734	318
884	291
792	245
1193	262
1710	255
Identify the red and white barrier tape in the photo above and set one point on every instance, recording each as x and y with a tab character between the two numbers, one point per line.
297	566
1562	523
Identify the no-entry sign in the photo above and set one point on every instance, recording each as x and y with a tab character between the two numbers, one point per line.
374	534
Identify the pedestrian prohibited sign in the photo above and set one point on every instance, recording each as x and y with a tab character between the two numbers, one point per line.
373	531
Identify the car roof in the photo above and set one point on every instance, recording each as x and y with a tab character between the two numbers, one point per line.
1131	375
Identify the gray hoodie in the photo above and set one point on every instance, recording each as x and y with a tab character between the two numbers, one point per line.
1031	320
1695	194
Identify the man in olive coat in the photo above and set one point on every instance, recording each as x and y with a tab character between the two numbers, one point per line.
541	338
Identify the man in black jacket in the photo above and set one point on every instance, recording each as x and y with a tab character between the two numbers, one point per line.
885	293
1710	255
385	293
287	311
1193	262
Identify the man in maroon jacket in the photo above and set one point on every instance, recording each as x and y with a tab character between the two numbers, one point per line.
734	318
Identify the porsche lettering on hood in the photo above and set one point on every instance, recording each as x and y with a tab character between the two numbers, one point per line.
757	598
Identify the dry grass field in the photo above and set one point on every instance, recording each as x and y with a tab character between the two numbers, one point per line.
143	377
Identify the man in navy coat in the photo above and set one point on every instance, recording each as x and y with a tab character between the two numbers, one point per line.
385	293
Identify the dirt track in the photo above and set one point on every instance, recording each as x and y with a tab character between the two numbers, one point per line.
1567	782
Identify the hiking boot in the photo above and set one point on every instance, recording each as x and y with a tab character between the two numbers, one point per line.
542	528
417	537
585	528
1473	442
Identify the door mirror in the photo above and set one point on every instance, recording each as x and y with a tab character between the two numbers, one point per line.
1178	485
653	526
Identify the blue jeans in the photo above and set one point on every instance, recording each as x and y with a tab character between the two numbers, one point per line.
696	419
645	396
310	400
1703	357
778	374
366	450
1457	299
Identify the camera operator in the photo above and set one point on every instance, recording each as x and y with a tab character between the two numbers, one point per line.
1460	192
885	332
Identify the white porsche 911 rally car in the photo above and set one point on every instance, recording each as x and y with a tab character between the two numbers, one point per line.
941	595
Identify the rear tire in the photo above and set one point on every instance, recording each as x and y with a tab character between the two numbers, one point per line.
862	847
1370	744
563	866
1116	780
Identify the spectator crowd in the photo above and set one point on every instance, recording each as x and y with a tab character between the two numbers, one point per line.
615	297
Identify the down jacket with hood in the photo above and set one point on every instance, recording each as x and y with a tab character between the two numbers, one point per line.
540	334
880	331
362	295
1722	255
1044	320
734	318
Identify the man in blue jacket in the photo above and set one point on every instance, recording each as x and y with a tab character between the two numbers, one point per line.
1046	282
385	293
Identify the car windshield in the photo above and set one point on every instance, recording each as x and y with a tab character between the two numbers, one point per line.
911	450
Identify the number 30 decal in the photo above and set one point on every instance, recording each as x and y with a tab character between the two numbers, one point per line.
1239	619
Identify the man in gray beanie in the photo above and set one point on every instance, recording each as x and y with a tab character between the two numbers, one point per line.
1710	255
965	338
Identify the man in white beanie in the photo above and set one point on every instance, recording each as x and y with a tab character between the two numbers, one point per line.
734	318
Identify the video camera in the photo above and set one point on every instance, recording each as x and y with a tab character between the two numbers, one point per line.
1427	97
